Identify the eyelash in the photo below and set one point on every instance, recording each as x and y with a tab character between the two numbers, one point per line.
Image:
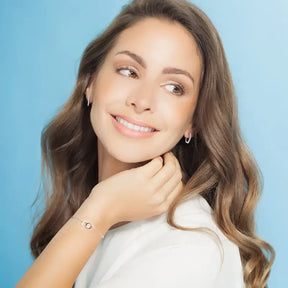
179	86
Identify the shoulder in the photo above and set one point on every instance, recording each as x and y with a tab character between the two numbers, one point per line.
154	254
196	213
161	256
192	213
210	252
156	235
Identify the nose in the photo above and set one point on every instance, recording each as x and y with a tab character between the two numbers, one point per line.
141	99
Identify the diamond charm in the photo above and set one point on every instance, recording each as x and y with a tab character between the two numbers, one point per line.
87	225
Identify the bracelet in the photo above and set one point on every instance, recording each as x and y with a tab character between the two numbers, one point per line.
87	225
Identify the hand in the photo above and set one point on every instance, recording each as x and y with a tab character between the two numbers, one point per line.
141	192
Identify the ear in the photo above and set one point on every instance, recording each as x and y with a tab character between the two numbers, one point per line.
189	130
88	93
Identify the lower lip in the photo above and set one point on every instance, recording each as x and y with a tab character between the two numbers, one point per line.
129	132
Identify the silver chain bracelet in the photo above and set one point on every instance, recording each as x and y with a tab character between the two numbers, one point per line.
87	225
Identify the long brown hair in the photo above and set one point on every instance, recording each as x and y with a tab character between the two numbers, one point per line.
216	164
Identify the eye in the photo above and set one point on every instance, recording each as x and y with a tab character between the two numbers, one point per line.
179	88
130	71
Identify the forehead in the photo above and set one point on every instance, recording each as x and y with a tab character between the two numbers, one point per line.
162	42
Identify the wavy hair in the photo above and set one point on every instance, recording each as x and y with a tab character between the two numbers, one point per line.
216	164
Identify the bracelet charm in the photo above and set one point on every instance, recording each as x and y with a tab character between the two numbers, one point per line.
87	225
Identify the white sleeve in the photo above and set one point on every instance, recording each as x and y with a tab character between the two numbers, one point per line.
193	266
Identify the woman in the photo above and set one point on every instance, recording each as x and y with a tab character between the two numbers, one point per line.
151	183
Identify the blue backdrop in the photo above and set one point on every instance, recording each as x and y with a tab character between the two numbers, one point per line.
40	49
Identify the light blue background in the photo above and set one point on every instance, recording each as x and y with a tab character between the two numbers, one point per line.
40	49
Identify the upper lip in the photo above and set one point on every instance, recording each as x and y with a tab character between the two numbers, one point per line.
135	122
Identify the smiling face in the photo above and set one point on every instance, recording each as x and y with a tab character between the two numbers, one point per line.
150	78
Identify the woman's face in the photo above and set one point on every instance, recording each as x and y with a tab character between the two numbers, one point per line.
142	82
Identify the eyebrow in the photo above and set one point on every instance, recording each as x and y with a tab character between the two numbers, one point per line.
167	70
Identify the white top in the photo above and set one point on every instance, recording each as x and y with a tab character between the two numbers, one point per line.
152	254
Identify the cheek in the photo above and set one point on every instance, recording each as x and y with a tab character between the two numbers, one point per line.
180	117
108	87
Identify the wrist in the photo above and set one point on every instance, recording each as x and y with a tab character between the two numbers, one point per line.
95	212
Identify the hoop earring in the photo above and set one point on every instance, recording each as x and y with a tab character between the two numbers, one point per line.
88	100
187	140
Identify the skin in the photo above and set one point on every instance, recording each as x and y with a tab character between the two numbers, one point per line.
128	190
145	94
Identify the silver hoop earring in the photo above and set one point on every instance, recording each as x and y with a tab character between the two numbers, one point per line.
187	140
88	100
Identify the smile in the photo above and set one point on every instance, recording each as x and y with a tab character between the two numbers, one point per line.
132	126
130	130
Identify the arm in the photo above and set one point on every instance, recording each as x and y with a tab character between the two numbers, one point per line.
130	195
64	257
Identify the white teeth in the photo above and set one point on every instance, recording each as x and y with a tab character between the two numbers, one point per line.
134	127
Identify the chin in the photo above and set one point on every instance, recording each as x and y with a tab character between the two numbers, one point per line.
133	156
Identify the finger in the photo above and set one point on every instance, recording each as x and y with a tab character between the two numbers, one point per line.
152	167
170	185
177	164
176	161
172	196
166	172
177	190
169	156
